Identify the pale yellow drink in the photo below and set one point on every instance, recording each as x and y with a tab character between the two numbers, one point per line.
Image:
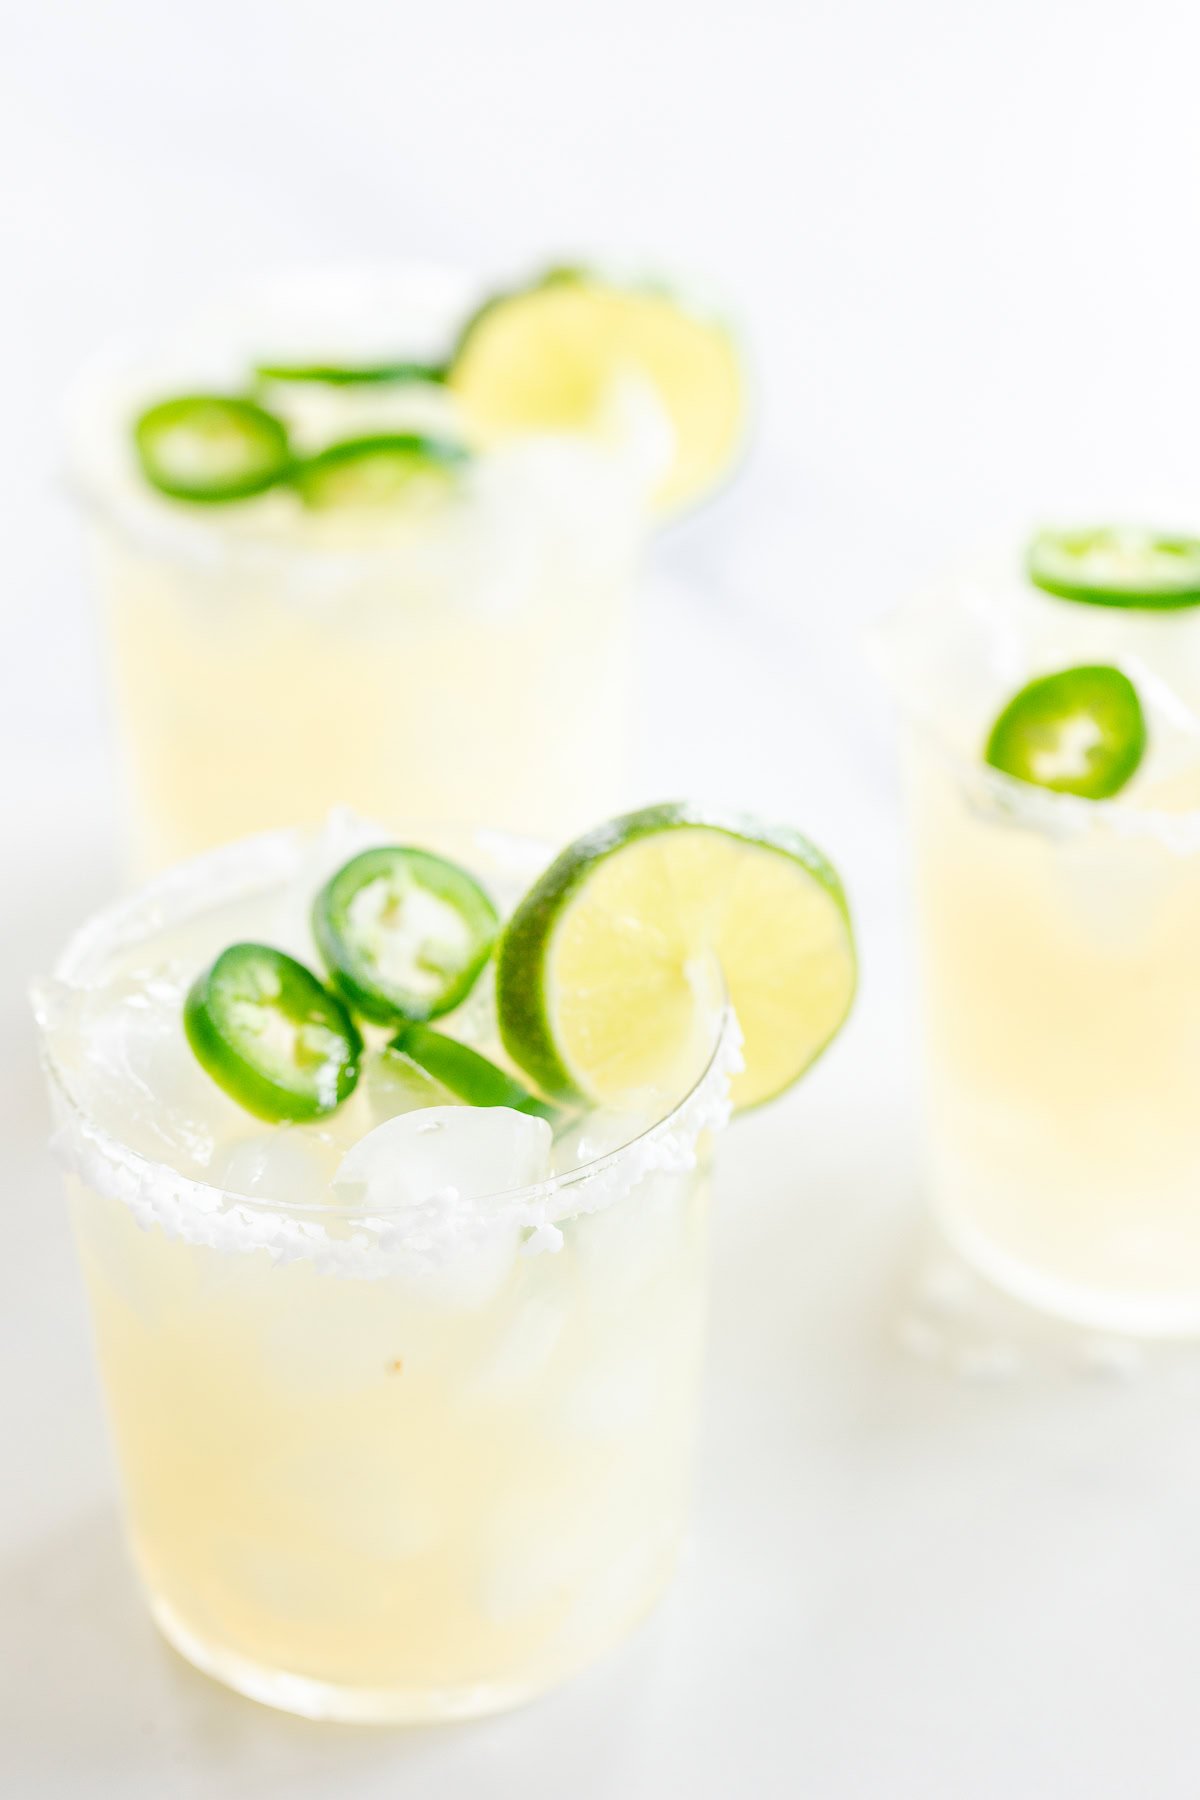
1060	969
268	663
400	1466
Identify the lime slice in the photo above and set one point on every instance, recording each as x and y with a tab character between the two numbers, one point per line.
395	1084
1081	731
597	968
403	933
466	1074
388	471
211	447
549	358
1117	567
271	1035
351	374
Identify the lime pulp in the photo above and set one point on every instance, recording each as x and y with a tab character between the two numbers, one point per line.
597	971
567	352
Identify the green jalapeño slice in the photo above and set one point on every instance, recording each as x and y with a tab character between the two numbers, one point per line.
404	933
400	469
271	1035
465	1073
381	374
211	447
1081	731
1117	567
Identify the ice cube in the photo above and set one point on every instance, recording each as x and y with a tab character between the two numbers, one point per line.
613	1400
451	1152
320	415
292	1586
514	1361
634	421
360	1341
625	1246
521	1584
598	1134
286	1164
546	1556
623	1586
395	1084
1112	892
138	1074
342	835
373	1498
117	1253
475	1019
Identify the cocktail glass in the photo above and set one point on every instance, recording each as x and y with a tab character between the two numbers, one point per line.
267	663
1059	967
401	1464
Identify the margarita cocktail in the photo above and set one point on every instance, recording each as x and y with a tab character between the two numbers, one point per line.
1053	763
394	1230
363	540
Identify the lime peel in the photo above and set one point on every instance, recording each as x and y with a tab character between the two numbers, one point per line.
593	988
552	356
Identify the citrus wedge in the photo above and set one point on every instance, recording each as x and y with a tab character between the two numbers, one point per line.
553	356
597	971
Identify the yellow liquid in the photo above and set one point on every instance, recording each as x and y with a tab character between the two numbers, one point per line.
1061	994
397	1499
269	662
256	694
405	1466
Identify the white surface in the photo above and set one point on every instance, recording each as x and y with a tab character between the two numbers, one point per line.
963	238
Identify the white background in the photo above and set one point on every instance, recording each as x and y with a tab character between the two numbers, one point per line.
963	239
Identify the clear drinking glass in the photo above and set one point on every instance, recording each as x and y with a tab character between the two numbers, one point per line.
1059	966
400	1465
268	663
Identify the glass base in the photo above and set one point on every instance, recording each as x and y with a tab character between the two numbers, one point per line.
326	1700
1132	1314
329	1701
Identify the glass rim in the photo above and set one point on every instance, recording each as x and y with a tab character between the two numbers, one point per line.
272	856
1041	807
198	532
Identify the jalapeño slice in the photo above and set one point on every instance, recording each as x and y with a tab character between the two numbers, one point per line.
1114	566
352	374
465	1073
271	1034
404	934
211	447
1081	731
392	470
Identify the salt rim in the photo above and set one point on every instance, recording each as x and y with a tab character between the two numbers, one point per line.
1009	801
416	1238
212	347
338	1239
1004	797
